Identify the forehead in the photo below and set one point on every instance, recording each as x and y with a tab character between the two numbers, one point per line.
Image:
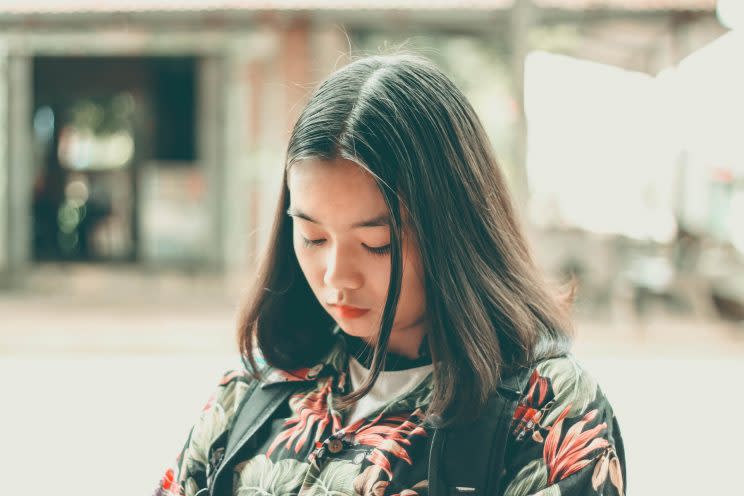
339	189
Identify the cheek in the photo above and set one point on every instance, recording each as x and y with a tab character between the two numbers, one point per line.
377	276
413	279
304	259
412	291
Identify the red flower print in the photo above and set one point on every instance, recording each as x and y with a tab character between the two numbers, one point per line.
312	412
303	374
526	419
169	486
609	463
368	483
388	435
538	390
532	407
568	456
209	403
230	376
380	461
167	479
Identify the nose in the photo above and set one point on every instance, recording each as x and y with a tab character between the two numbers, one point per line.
342	271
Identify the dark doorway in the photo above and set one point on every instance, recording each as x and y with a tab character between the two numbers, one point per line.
95	122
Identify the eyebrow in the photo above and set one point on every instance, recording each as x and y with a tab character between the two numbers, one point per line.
380	220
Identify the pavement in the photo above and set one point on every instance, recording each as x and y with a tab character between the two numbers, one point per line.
103	373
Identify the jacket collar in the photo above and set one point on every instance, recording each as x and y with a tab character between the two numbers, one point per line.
332	364
335	363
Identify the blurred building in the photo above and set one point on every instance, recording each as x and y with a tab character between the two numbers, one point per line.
151	132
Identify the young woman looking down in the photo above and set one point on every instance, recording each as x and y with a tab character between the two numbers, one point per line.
397	295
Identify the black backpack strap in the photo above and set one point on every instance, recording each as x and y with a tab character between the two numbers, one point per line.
258	404
511	389
469	459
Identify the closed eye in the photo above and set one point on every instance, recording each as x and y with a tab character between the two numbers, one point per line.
380	250
312	242
375	250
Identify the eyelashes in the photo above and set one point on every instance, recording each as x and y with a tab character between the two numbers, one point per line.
375	250
381	250
311	242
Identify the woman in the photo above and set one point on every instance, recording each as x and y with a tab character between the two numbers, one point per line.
397	296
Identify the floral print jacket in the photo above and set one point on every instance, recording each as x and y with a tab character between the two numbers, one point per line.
564	439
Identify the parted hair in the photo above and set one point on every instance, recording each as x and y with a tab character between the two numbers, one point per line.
488	307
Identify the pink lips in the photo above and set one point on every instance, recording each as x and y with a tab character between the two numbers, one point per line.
349	312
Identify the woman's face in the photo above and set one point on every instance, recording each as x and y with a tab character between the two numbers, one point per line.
342	241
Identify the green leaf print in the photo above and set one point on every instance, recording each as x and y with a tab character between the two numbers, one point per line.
571	386
336	479
550	491
532	477
233	397
191	487
259	476
209	427
418	397
214	420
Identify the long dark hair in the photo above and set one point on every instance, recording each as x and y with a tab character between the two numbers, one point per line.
488	306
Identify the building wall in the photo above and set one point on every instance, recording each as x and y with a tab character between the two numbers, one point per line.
256	70
4	234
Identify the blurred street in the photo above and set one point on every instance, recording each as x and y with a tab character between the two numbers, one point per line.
113	373
138	183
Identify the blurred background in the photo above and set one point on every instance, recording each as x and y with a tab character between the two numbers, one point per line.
141	145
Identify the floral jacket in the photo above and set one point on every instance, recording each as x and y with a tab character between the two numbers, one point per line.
564	439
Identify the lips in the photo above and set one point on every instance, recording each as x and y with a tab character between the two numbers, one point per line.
349	312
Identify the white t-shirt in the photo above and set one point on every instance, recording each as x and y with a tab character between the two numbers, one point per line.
389	385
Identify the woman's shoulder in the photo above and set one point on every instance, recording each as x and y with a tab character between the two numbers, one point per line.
225	400
231	377
564	433
566	376
561	386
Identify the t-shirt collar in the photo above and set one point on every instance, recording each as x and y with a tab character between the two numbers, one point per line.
335	362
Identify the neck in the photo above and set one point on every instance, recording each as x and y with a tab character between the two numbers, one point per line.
405	342
363	353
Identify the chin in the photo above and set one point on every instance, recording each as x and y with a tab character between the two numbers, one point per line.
357	330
